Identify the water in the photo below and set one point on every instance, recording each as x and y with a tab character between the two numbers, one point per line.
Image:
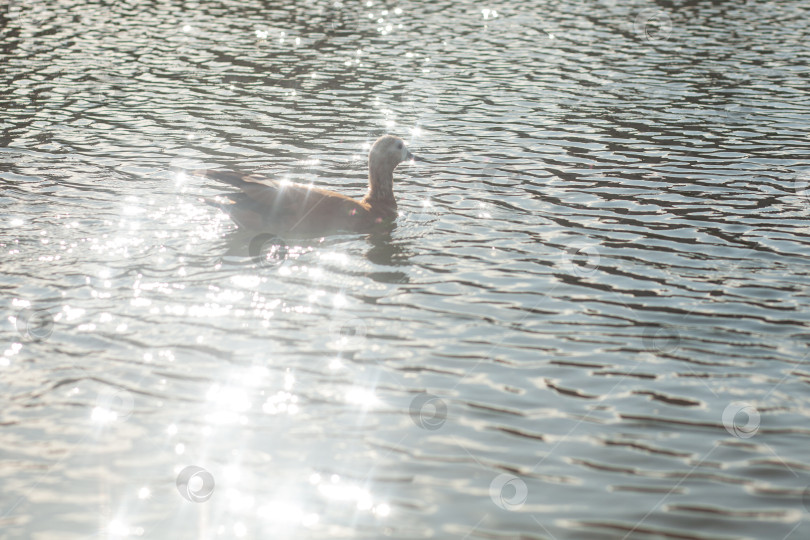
590	321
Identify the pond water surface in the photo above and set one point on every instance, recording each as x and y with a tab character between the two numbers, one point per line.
590	321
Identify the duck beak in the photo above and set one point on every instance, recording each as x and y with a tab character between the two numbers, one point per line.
409	156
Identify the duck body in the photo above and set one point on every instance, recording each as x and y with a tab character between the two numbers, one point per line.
287	208
297	209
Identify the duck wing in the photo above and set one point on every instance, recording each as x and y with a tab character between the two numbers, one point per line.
286	207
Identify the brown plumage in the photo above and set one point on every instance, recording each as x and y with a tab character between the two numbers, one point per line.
296	209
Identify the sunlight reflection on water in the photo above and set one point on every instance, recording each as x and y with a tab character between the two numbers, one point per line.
589	321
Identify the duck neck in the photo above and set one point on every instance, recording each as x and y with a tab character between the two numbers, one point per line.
380	189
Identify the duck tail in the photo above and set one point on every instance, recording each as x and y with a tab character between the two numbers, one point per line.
217	202
226	177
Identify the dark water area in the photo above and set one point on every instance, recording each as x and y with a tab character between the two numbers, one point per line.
590	321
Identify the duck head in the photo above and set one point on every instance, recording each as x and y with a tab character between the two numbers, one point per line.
389	149
386	153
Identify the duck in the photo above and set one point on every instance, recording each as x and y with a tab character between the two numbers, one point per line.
287	208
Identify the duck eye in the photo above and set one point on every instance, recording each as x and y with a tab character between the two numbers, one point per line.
399	145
